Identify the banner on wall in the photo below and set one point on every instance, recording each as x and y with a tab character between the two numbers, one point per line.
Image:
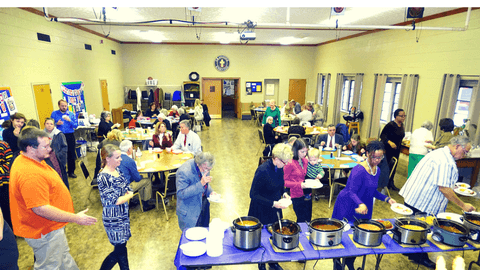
7	104
73	94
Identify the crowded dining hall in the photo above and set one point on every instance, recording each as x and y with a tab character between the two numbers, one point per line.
239	138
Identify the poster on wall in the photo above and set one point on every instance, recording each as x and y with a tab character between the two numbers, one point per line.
73	94
7	104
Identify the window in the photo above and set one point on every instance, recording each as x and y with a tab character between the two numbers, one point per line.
463	102
347	93
320	90
390	99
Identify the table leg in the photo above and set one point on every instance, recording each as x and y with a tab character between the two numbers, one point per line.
378	258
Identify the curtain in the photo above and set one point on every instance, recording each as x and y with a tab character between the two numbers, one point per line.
378	92
446	100
408	95
337	99
356	91
323	77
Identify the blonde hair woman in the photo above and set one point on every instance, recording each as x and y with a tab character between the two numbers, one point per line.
161	138
198	110
114	137
115	192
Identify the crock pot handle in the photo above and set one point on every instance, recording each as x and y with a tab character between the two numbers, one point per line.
232	228
474	233
463	238
437	237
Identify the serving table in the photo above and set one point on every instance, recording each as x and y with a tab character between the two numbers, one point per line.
266	253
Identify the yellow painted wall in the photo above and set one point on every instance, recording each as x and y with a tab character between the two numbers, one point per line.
397	52
25	60
171	64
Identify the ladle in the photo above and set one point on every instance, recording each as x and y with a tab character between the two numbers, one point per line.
280	222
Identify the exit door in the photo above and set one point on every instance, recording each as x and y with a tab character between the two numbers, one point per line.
43	102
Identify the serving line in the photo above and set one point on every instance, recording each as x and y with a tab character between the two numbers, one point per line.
265	253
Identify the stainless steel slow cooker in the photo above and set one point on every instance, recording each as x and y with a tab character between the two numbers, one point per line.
366	237
325	237
442	232
472	222
404	235
285	241
247	237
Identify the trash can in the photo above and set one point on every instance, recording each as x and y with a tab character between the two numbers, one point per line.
81	148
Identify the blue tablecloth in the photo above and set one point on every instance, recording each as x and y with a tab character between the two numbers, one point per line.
265	253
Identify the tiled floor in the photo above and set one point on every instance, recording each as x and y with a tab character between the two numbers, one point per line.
154	240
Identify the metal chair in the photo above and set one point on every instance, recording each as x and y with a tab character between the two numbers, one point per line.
169	189
139	199
262	140
294	135
342	181
253	116
90	182
395	162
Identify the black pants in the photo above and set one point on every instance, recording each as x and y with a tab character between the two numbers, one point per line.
204	218
5	203
119	255
303	209
71	155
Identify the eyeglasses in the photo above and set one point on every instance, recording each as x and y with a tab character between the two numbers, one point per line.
377	158
465	152
43	147
283	162
403	116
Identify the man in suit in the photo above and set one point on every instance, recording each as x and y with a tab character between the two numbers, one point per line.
331	139
193	189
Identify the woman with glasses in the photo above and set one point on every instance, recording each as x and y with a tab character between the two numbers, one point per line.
268	187
392	136
356	199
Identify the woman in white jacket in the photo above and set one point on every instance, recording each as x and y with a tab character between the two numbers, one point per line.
198	112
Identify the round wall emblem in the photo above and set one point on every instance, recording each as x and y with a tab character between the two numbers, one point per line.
222	63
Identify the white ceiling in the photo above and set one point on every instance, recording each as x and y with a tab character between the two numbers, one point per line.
307	25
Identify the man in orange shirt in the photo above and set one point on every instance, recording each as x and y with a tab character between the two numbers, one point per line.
40	203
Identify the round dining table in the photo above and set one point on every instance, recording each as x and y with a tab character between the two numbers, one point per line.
160	161
309	131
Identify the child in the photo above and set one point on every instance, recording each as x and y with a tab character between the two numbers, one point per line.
314	170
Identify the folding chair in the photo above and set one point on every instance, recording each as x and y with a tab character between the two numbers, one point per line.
169	189
139	199
262	140
342	181
90	182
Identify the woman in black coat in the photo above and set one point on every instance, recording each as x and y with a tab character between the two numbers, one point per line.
106	125
206	116
295	128
268	188
269	134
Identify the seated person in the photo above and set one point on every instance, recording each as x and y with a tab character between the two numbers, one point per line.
113	137
161	118
355	145
269	134
129	169
331	139
295	128
183	115
133	123
174	112
106	125
152	110
305	115
161	138
187	140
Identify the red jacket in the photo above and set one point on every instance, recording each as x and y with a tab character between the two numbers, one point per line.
165	142
294	175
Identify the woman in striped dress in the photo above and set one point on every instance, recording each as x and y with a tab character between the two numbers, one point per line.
115	193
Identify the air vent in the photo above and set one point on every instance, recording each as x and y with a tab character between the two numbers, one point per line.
88	47
114	52
43	37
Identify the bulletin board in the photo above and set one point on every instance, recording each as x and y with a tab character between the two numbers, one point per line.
253	87
73	94
7	104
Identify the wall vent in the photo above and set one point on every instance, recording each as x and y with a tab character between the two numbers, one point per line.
114	52
88	47
43	37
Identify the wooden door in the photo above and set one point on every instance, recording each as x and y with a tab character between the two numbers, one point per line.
212	96
238	102
297	89
106	103
43	102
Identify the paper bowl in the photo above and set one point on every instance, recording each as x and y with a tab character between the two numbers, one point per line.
169	149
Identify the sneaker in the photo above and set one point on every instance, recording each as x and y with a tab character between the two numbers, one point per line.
308	197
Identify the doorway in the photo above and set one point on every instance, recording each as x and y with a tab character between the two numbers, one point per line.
43	102
222	96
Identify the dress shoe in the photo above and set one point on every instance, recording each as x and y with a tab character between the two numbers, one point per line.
261	266
133	203
147	207
275	266
72	175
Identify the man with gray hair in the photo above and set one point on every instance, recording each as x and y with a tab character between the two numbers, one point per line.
193	189
129	169
187	141
430	186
